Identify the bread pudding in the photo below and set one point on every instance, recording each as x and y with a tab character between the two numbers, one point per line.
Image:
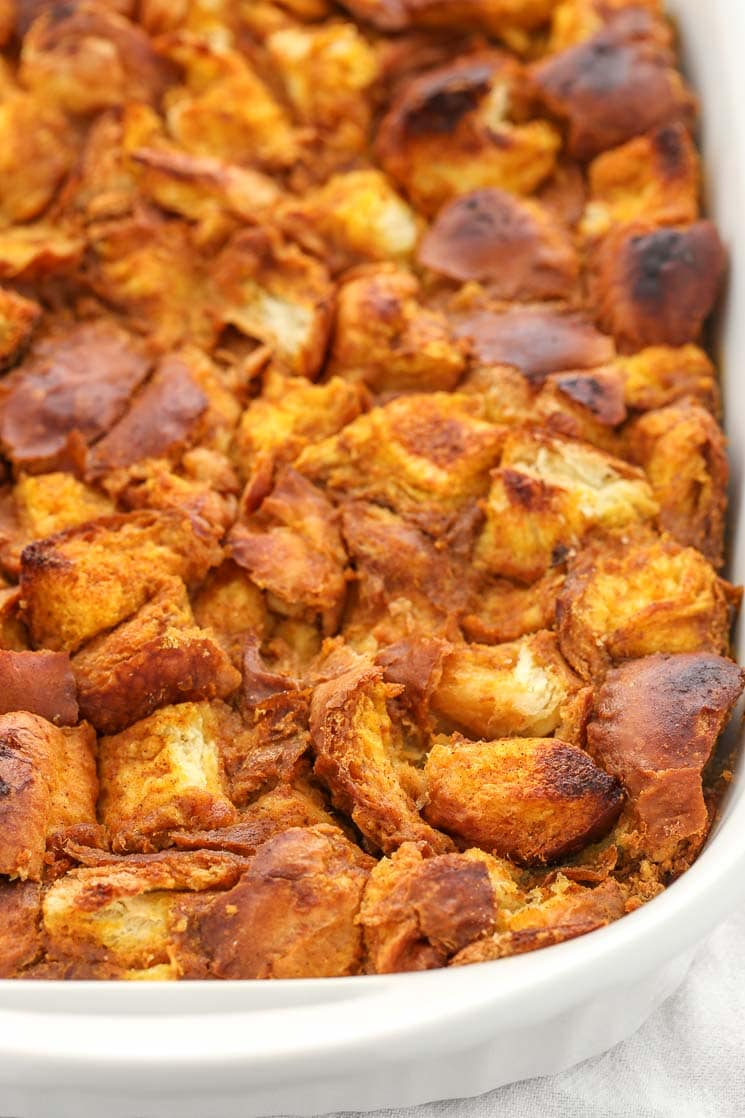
362	519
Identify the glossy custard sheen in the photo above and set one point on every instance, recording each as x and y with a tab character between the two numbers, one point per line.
363	488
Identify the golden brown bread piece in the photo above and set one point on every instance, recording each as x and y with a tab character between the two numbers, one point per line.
532	800
355	748
585	405
417	912
519	689
231	606
272	291
405	585
571	911
683	451
653	178
128	917
39	682
48	778
615	85
660	375
165	773
424	456
656	285
79	582
354	218
86	57
384	337
293	914
546	494
270	750
155	658
655	725
537	339
50	396
505	610
632	597
460	127
292	549
37	151
513	246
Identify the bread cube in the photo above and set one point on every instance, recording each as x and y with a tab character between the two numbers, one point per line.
87	57
615	85
656	285
549	491
459	127
162	419
290	414
531	800
231	606
425	456
417	912
37	152
655	726
165	773
84	580
353	741
660	375
20	939
654	178
522	688
683	451
637	596
513	246
574	21
270	751
48	776
588	406
224	109
268	289
129	917
292	549
354	218
294	913
504	611
76	379
387	339
155	658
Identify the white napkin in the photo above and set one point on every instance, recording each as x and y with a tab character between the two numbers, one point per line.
688	1061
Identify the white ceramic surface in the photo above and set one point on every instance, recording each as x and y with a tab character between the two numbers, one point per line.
223	1050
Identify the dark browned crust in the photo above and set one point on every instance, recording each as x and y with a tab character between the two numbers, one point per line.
655	725
38	682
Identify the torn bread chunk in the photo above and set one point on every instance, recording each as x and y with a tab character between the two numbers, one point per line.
75	380
522	688
353	741
460	127
130	917
615	85
636	596
79	582
294	913
418	912
532	800
683	451
654	178
546	494
425	456
656	285
49	779
386	338
164	773
512	246
155	658
655	726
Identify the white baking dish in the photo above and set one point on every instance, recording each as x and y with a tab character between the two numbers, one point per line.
219	1050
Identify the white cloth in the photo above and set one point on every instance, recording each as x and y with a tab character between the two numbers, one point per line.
688	1061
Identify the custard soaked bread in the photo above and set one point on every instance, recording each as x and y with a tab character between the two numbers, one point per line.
363	603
